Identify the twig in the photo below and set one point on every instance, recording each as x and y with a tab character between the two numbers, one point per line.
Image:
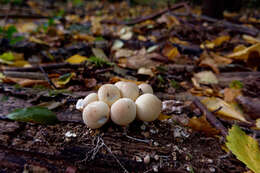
210	117
47	77
45	67
149	17
100	143
24	16
27	75
136	139
117	160
232	26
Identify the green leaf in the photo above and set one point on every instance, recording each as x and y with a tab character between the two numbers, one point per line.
64	79
244	147
10	31
99	61
175	84
7	56
236	84
35	114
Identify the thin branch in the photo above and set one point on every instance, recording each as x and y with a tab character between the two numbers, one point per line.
46	67
210	117
47	77
149	17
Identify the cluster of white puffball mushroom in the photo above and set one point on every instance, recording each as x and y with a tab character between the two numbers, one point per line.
122	102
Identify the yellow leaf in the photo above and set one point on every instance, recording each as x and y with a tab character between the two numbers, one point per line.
215	43
76	59
26	27
201	124
258	124
171	52
245	53
251	39
206	77
213	103
244	147
163	117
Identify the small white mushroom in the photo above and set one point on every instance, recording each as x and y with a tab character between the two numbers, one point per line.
109	94
95	114
119	84
148	107
123	111
145	88
82	103
128	90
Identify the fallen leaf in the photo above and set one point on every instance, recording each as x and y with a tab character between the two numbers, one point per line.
245	53
244	147
99	53
35	114
64	79
171	52
76	59
164	117
209	62
215	43
250	39
230	94
201	124
145	71
206	77
226	111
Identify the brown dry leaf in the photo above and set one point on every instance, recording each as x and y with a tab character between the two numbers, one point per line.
25	82
207	61
251	39
143	59
230	94
206	77
116	79
124	53
171	52
84	37
244	54
215	43
226	111
26	27
90	83
201	124
145	71
220	60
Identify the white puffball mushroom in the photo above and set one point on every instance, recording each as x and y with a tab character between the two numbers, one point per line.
95	114
109	94
129	90
82	103
123	111
148	107
119	84
145	88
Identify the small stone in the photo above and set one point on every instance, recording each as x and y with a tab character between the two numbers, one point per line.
156	144
155	168
147	159
138	159
210	161
143	127
156	157
211	169
70	134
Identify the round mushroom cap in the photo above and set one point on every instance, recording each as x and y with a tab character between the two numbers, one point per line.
95	114
89	99
123	111
109	94
119	84
145	88
148	107
129	90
